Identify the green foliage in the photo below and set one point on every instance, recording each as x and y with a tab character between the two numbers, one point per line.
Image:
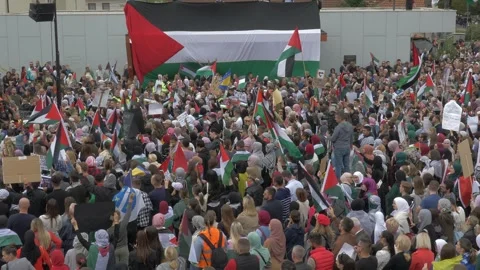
473	32
461	7
353	3
448	48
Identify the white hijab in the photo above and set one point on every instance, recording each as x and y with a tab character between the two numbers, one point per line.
401	214
380	226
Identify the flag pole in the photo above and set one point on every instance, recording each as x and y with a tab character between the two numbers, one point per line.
304	67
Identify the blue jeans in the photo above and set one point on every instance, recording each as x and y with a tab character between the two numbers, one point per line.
341	161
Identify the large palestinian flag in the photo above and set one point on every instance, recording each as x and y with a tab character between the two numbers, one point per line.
240	36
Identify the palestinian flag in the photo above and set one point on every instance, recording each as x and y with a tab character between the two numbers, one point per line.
82	111
318	199
226	167
343	87
415	58
115	146
426	87
284	66
374	59
332	188
185	237
98	126
258	110
60	142
47	116
161	40
319	149
179	160
207	71
242	83
286	143
465	190
368	93
38	107
411	78
240	156
468	88
185	71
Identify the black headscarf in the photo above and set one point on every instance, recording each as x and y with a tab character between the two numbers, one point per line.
3	221
30	251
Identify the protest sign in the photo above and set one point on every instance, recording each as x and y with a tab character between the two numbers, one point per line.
401	132
452	114
101	98
321	74
24	169
182	118
465	158
155	108
472	122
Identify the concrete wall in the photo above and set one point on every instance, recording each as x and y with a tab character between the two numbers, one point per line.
385	33
84	39
92	38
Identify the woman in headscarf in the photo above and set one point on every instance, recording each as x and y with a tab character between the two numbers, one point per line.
457	171
400	214
58	261
380	226
36	255
358	206
445	219
257	150
367	185
276	244
374	206
263	230
167	211
367	153
425	224
439	243
258	250
394	191
71	256
166	237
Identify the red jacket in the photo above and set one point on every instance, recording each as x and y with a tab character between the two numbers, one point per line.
420	257
323	258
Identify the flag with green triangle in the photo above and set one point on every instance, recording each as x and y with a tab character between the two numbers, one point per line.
60	142
284	66
368	94
426	87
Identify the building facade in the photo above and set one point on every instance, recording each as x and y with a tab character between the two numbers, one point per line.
22	6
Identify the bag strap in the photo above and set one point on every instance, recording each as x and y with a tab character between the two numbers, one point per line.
219	245
263	259
206	240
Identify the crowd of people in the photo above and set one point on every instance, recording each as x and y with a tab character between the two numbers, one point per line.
402	188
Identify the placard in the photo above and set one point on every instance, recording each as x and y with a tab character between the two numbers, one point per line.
465	158
104	98
401	132
426	124
452	114
320	73
182	118
24	169
472	122
91	217
155	109
133	123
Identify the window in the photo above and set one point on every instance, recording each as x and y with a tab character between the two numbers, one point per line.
106	6
92	6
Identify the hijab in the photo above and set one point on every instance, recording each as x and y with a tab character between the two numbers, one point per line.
374	204
380	225
102	241
79	248
425	218
270	157
263	218
277	240
368	151
256	248
58	260
163	208
30	251
360	177
402	206
257	150
439	243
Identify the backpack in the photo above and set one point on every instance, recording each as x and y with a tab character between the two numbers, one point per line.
219	256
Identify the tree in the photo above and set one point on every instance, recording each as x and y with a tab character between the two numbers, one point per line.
353	3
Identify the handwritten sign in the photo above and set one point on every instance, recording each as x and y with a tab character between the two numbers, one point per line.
452	114
155	108
101	99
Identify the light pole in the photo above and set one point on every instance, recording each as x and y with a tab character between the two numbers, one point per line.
57	56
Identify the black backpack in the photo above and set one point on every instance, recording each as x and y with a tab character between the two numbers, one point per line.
219	257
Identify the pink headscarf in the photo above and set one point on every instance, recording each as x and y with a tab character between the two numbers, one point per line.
158	221
91	161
